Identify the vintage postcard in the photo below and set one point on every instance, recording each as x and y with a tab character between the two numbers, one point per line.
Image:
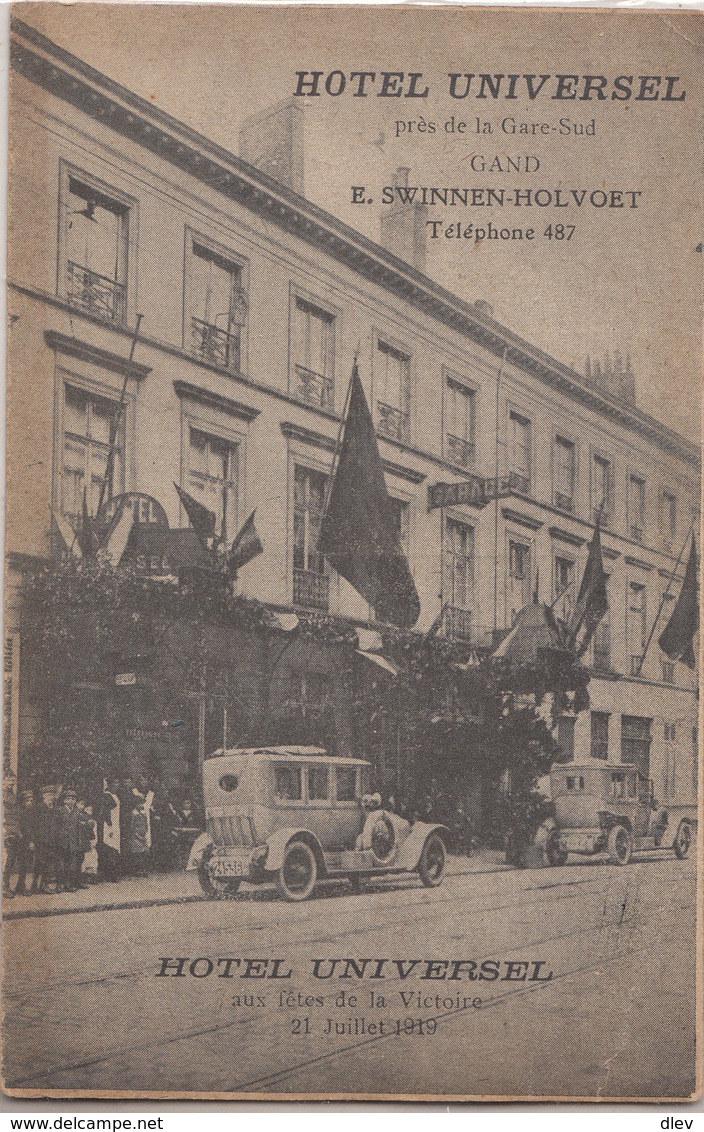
353	532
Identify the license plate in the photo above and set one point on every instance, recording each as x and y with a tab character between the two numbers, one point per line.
226	867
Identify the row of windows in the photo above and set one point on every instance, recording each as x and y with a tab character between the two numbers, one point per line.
212	477
215	314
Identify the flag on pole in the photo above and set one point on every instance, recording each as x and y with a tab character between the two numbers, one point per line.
358	534
200	517
87	535
246	546
592	601
677	638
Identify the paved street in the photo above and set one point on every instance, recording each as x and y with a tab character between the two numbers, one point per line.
616	1019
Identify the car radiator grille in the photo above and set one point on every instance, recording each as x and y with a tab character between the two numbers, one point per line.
231	829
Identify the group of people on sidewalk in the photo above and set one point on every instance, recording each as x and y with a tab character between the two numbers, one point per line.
56	841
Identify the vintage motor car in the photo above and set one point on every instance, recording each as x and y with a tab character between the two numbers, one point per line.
295	815
607	808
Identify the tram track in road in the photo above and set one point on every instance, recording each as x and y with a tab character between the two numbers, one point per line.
25	1082
46	987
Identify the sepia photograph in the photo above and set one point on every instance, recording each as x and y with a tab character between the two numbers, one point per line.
352	535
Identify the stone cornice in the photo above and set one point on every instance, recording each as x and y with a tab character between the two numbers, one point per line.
96	355
327	444
522	519
185	389
72	80
631	561
562	535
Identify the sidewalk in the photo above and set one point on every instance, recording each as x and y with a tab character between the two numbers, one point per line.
177	888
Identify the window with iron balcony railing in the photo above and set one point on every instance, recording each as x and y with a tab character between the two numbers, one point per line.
460	451
96	294
311	589
459	623
393	422
315	388
214	345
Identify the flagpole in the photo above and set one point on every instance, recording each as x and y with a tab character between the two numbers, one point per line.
115	423
663	600
340	429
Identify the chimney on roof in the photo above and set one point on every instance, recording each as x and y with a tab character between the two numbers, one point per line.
484	307
613	375
272	140
403	223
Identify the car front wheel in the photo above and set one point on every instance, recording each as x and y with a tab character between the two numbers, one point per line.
683	840
296	878
620	845
431	867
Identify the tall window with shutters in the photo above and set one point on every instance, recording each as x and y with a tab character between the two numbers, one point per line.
564	588
212	477
519	578
458	590
313	354
460	410
636	626
564	473
87	422
521	451
311	582
636	507
602	489
392	380
217	306
96	241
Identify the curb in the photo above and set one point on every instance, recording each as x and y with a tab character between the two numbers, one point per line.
162	901
153	902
